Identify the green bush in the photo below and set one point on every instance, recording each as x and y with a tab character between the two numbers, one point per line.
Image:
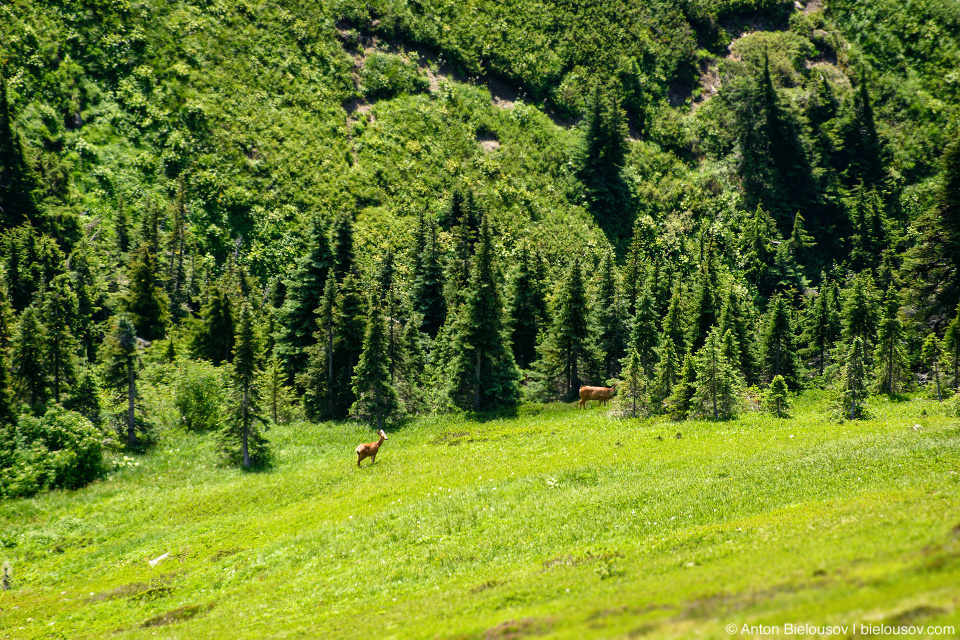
385	75
60	450
199	396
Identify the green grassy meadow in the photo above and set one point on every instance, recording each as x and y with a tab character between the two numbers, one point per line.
556	523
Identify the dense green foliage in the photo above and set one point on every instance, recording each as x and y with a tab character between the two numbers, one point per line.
572	189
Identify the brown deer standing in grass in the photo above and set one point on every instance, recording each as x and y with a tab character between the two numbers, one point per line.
369	450
600	394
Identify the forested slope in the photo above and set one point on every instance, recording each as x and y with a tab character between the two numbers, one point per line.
533	192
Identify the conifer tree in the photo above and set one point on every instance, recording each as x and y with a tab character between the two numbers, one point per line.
145	301
774	166
29	373
526	311
341	243
633	278
706	310
297	320
121	227
718	385
349	328
634	382
7	416
930	354
777	344
759	235
214	336
318	379
864	142
482	372
821	325
854	380
934	262
613	331
777	398
799	238
859	312
569	352
242	439
426	289
121	368
149	230
890	354
674	323
951	343
644	339
17	181
667	373
684	389
464	215
60	347
737	318
276	393
600	161
176	247
376	398
90	301
85	398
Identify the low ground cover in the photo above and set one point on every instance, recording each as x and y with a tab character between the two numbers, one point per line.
556	522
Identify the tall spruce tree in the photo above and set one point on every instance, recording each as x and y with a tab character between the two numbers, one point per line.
120	366
777	344
526	311
930	354
719	385
349	329
860	312
667	373
631	392
679	402
213	339
675	322
242	439
482	373
341	243
568	355
60	346
890	356
29	371
854	381
644	339
737	317
600	161
303	294
951	343
426	289
821	326
17	180
376	397
934	262
613	330
145	300
706	309
318	378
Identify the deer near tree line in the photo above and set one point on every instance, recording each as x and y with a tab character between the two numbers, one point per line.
600	394
370	449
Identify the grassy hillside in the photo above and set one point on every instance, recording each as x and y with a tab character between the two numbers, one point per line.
559	522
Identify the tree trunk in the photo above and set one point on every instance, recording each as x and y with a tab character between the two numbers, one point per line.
131	400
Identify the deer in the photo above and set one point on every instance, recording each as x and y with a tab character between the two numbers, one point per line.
370	449
600	394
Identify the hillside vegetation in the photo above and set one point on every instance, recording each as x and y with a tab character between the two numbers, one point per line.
558	523
239	238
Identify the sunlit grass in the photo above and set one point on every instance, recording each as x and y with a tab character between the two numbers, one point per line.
558	522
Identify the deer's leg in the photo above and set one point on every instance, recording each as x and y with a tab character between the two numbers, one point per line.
359	458
373	459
